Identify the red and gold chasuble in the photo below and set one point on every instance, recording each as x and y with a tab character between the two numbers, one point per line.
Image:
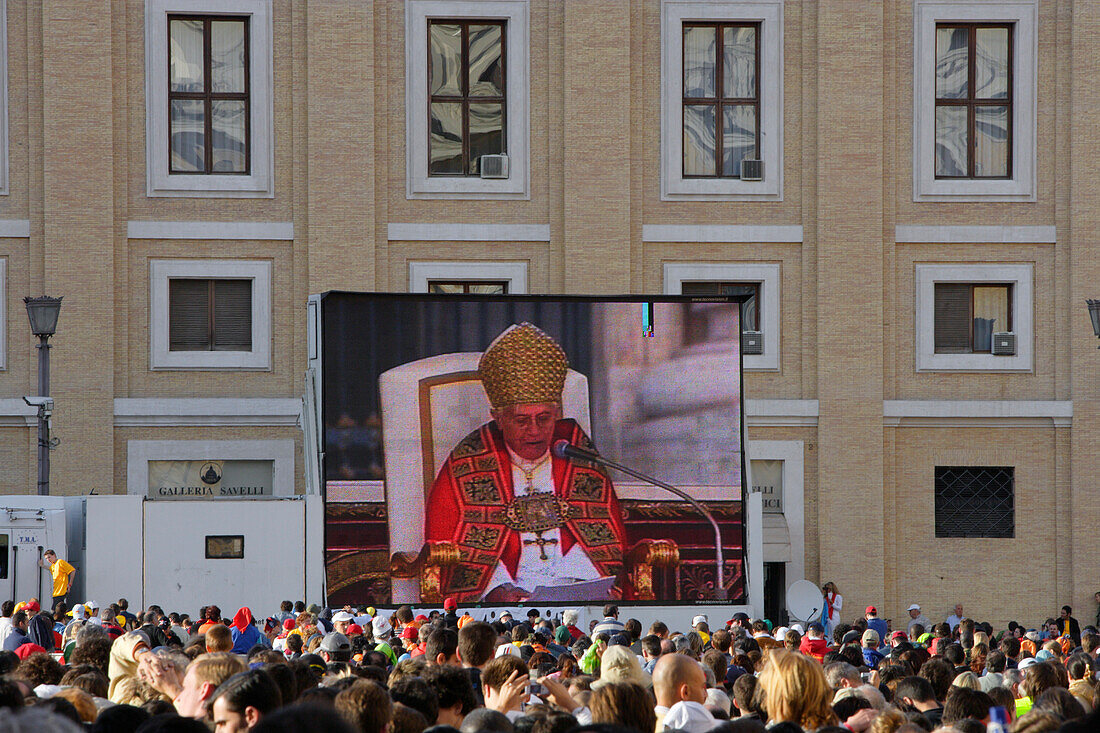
472	504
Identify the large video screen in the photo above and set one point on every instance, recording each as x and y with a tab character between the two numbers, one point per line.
465	440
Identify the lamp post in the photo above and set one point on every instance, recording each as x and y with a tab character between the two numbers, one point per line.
43	312
1094	314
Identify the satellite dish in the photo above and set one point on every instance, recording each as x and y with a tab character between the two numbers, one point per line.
805	601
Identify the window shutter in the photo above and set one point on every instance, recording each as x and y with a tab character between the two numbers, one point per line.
232	315
188	314
952	317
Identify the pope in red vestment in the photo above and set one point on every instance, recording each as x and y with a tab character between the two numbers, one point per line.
522	518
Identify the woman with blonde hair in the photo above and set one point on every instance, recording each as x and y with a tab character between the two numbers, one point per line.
969	680
793	688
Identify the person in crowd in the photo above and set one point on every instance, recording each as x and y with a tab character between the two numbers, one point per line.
17	636
239	703
955	618
243	631
1067	625
833	604
61	573
916	617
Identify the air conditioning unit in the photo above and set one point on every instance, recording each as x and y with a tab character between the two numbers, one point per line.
752	343
493	166
752	170
1004	343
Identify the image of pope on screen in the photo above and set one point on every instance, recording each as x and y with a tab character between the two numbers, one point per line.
528	524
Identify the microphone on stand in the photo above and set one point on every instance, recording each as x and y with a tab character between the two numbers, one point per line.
565	449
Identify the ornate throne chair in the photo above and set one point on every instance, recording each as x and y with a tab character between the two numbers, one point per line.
428	406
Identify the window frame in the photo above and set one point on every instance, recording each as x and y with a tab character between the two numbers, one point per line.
1023	16
940	505
161	357
211	311
466	99
467	284
1019	275
208	97
766	273
4	181
517	133
423	272
972	103
720	101
768	14
1010	287
259	181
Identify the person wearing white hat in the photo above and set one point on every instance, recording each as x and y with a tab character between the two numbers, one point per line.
699	623
916	617
382	633
341	620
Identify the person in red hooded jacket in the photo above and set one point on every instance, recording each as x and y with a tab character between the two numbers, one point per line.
244	632
813	643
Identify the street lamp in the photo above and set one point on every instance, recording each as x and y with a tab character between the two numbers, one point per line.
1094	314
43	312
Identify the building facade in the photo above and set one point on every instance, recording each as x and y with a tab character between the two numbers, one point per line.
908	187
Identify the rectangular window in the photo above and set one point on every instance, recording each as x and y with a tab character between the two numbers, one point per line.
466	95
973	100
975	501
721	98
702	321
225	547
967	314
208	100
468	287
209	315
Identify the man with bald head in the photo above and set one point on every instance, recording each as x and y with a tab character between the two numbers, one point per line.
680	688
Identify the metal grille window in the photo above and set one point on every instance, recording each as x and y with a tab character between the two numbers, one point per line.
721	103
208	95
967	314
974	100
702	321
466	95
209	315
468	287
975	501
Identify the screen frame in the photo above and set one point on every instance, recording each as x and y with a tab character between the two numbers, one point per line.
328	297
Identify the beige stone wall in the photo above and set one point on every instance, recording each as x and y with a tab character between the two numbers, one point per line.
77	121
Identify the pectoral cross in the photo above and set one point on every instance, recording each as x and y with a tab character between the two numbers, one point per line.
542	542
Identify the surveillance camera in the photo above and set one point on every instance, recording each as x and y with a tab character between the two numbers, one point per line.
43	402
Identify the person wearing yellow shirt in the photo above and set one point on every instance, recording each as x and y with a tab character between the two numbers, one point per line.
62	574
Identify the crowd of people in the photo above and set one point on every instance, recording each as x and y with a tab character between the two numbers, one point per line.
362	670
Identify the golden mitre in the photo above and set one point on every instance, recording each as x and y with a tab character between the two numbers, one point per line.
524	365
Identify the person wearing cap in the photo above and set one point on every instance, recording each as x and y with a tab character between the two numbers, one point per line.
813	644
62	574
341	620
383	633
521	517
699	623
916	617
335	647
450	618
876	623
871	655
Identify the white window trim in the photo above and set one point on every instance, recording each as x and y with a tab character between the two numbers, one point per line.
3	311
767	274
420	273
517	92
3	99
258	184
1021	187
673	185
794	508
140	452
1021	276
259	271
